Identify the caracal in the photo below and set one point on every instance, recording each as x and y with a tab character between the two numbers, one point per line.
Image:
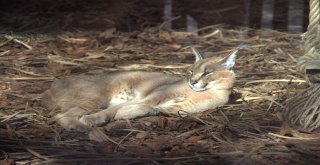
86	101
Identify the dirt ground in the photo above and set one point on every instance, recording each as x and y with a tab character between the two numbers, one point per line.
248	130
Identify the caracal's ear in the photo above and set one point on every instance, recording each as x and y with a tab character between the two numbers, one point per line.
230	60
197	54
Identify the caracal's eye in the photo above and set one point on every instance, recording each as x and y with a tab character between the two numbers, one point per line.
205	74
190	71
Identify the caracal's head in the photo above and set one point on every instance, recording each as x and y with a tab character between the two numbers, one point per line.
210	73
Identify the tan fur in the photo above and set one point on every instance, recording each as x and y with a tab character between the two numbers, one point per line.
86	101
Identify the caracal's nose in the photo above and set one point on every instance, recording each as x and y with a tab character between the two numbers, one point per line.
192	82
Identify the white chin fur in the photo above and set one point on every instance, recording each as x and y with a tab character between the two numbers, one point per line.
199	89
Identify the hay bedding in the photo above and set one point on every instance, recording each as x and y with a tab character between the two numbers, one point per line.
246	131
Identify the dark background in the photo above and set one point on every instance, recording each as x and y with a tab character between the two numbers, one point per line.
44	15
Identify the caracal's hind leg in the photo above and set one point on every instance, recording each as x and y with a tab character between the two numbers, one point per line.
99	118
125	111
135	111
71	123
69	119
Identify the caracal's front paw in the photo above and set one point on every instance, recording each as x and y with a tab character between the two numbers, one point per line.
94	120
72	123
